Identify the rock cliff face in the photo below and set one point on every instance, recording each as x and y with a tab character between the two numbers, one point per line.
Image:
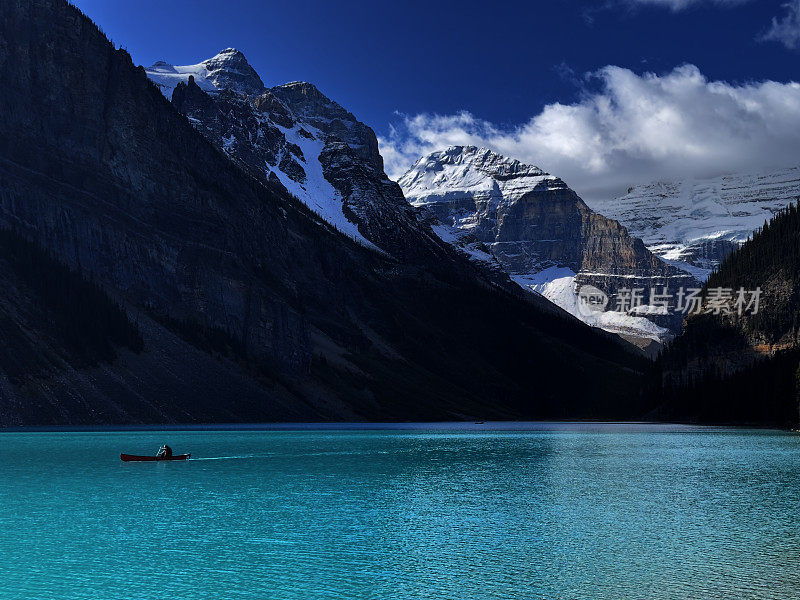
294	134
540	231
250	306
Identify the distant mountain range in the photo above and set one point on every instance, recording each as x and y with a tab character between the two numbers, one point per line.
694	224
247	257
295	136
478	201
186	244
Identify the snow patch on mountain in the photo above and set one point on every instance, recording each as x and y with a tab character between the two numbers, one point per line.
167	76
229	70
478	173
315	191
558	285
461	239
694	223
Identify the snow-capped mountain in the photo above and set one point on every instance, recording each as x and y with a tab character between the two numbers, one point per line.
295	135
694	224
249	307
540	231
227	70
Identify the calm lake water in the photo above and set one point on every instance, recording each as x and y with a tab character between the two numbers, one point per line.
549	511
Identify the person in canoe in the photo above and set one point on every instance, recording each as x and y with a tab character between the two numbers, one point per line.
164	452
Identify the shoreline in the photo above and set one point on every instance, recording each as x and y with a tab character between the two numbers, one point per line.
442	426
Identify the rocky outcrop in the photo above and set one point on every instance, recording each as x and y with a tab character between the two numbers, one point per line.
539	230
247	130
322	113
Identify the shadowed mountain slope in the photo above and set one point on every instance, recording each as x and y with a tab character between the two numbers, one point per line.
250	307
743	368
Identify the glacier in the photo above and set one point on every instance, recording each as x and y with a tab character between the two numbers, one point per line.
694	223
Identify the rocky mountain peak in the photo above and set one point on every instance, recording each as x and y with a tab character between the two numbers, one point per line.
230	70
538	230
294	134
485	160
306	100
315	108
469	171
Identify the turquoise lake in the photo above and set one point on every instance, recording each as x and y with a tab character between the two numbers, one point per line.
460	512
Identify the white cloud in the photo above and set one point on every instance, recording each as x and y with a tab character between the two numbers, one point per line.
677	5
635	128
786	30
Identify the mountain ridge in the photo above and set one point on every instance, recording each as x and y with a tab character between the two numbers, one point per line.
294	135
695	223
108	176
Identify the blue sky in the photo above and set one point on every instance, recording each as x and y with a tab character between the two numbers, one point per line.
502	64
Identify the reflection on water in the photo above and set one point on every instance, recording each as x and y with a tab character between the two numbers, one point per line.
594	512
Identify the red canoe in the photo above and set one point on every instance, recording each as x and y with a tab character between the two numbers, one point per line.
134	458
